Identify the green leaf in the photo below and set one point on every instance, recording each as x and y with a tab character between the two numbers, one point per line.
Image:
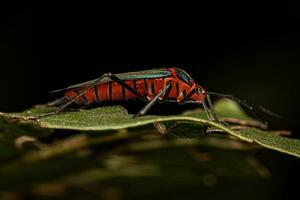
271	141
192	123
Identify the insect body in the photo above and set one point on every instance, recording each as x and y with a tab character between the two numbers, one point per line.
180	85
150	86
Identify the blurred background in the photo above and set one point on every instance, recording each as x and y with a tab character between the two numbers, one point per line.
249	50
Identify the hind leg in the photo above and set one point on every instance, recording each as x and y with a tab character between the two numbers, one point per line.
55	103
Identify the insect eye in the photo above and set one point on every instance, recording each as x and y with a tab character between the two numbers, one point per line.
183	76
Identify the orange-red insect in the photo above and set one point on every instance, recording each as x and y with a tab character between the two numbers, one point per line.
150	86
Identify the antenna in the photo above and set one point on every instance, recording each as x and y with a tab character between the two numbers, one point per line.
252	108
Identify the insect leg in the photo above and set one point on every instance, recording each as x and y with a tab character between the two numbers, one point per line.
208	109
62	107
56	102
166	95
211	108
153	101
188	96
92	84
244	103
128	87
210	116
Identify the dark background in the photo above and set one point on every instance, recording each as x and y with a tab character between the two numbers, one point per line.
249	50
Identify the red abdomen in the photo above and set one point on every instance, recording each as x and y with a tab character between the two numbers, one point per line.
114	91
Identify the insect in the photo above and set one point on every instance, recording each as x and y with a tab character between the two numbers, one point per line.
150	86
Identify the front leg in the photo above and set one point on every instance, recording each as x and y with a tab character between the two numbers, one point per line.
209	110
210	113
154	100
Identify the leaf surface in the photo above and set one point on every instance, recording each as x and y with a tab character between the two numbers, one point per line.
189	124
